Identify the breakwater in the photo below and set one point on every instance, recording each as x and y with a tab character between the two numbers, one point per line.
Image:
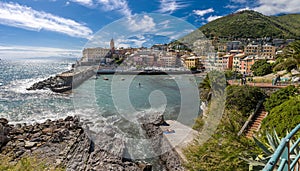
65	81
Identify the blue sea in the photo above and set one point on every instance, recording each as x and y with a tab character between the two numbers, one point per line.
19	105
117	100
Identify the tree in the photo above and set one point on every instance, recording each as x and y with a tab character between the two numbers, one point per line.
205	89
293	51
287	64
283	117
214	83
279	97
243	98
261	67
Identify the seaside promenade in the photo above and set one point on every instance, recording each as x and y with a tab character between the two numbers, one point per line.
261	85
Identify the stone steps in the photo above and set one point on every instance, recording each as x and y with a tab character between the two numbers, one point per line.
254	126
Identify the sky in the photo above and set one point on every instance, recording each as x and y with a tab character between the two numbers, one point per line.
62	28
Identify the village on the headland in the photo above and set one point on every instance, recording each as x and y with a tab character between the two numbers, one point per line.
237	56
201	56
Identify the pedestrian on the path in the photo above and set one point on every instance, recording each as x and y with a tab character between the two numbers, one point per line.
244	80
277	79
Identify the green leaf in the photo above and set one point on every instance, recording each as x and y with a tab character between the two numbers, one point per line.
262	146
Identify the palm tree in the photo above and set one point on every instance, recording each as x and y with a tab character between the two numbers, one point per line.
293	51
213	84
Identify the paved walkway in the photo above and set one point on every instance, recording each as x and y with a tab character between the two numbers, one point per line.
263	85
182	136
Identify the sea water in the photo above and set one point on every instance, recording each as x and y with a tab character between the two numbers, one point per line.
19	105
94	98
117	100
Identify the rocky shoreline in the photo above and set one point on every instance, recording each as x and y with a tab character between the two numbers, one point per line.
66	143
49	83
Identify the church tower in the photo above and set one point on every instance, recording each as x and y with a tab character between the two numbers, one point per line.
112	45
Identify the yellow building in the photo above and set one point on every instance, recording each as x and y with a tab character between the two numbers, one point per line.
192	62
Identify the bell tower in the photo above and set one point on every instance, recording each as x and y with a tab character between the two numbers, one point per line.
112	45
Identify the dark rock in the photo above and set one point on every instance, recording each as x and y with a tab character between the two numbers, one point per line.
156	119
18	126
37	139
47	131
29	144
169	159
57	137
66	143
3	121
19	153
69	118
3	140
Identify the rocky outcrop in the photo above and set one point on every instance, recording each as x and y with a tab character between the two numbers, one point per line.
168	157
51	82
65	143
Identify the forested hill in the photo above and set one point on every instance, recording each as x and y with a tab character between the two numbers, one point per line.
251	24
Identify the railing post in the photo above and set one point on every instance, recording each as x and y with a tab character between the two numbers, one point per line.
282	154
289	155
285	154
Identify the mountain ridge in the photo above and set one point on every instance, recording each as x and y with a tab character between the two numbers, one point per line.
252	24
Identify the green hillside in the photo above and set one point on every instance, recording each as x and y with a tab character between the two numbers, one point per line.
251	24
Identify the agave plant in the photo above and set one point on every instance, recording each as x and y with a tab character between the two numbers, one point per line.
268	150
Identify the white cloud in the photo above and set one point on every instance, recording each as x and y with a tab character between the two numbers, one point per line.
203	12
211	18
84	2
279	6
243	9
144	24
15	15
268	7
116	5
239	1
231	6
169	6
165	24
33	51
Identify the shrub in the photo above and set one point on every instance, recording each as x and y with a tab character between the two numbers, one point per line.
243	98
283	117
223	151
261	67
26	164
279	97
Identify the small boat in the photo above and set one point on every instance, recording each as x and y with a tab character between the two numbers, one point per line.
122	79
61	89
105	78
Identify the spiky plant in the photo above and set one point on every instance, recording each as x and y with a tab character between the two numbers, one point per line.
268	150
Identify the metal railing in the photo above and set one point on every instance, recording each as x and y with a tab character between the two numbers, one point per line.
285	158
